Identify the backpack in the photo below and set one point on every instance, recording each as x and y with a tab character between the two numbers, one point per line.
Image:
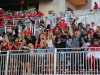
80	44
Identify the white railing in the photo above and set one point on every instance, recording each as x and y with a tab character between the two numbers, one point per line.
51	62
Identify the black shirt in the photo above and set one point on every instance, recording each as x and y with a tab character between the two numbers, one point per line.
59	43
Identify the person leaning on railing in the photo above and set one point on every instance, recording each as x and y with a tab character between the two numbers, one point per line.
72	43
14	46
41	44
4	47
93	58
59	42
50	54
27	46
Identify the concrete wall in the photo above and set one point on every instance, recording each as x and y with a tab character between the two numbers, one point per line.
50	5
88	6
55	5
70	5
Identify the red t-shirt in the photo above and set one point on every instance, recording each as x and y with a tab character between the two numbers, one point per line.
27	33
63	26
13	48
8	24
1	24
1	13
96	6
40	14
56	29
3	47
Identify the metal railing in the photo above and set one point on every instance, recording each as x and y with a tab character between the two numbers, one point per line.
51	61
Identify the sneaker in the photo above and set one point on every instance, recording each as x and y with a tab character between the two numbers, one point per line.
58	73
64	72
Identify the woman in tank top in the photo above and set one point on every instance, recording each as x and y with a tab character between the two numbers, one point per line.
41	44
50	53
26	57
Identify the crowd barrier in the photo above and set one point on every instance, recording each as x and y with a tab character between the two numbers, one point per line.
51	61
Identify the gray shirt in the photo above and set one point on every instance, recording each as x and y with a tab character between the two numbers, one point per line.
75	42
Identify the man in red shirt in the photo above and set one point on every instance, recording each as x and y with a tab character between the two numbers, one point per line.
27	32
1	12
96	7
63	25
40	14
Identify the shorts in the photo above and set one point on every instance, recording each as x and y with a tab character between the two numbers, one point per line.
31	53
41	53
52	50
25	58
14	56
60	56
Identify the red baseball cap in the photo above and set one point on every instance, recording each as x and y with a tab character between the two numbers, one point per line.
76	29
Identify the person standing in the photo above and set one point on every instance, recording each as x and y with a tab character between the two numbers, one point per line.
59	42
80	43
63	25
27	32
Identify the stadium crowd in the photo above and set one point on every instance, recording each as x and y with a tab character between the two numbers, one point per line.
61	36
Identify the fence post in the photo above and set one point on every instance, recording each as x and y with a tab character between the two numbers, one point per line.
5	29
7	61
55	58
13	21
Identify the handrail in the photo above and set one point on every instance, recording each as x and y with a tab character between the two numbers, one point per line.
56	48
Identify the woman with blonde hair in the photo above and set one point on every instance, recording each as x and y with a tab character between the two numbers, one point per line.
4	47
50	53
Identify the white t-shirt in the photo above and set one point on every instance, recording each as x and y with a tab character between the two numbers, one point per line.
95	28
1	38
50	44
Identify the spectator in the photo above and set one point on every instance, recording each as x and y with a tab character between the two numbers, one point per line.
63	25
88	30
56	28
14	46
82	32
9	35
87	26
51	55
41	44
89	40
40	14
16	32
41	24
2	22
1	13
21	37
59	42
26	45
96	7
93	27
23	29
80	43
93	56
27	32
9	22
97	30
4	47
3	34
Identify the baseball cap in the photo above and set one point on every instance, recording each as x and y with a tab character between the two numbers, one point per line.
76	29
